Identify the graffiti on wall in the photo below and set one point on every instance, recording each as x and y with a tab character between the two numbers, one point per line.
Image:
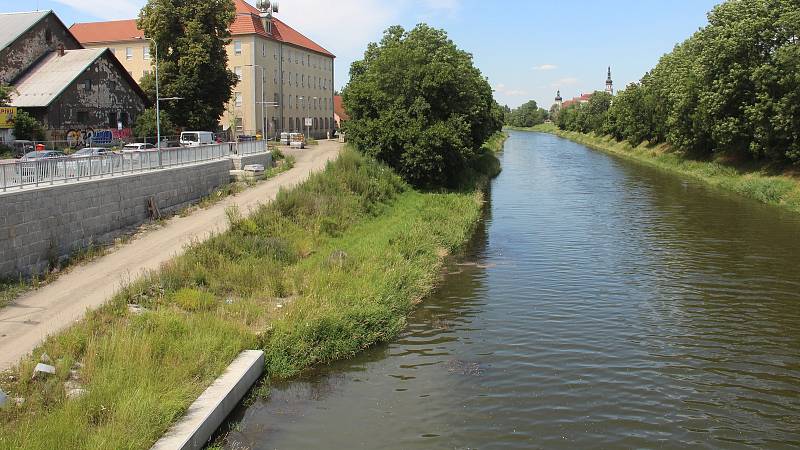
89	137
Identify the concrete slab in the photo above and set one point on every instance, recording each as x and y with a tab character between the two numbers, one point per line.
208	412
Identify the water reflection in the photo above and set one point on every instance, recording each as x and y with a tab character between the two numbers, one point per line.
606	305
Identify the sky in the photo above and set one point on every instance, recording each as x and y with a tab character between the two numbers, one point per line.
528	49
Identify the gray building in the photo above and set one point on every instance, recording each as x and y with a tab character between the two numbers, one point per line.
80	95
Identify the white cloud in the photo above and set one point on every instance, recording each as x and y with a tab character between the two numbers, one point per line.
504	90
546	67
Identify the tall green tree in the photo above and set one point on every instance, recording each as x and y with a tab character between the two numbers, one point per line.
418	103
193	63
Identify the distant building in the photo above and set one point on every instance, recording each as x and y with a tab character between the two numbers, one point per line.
339	113
583	98
609	83
73	91
298	74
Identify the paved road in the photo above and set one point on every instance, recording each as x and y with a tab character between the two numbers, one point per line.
30	319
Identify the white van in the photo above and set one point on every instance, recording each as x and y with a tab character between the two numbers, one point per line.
196	138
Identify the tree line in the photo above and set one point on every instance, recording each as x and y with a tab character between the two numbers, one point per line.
527	115
730	89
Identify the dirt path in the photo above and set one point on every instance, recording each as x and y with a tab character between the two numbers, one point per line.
27	321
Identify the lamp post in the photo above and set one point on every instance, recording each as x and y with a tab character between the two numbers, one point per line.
268	104
158	108
263	100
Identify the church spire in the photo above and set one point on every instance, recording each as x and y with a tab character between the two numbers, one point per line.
609	83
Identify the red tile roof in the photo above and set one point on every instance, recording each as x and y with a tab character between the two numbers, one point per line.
113	31
338	108
247	21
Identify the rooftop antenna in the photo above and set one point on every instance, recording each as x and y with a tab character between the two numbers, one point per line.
267	8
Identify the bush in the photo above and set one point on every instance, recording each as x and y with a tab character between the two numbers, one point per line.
417	103
145	126
27	128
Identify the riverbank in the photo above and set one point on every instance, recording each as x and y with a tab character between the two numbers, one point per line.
757	183
325	271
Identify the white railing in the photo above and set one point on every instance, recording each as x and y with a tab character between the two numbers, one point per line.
245	148
19	174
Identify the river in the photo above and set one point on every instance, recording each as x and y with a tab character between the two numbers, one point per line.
602	304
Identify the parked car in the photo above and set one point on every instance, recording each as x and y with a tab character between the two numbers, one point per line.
137	147
298	140
42	154
91	151
196	138
34	166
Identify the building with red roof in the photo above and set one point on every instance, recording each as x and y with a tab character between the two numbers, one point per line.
285	77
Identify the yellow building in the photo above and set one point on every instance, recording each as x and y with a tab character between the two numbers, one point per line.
285	77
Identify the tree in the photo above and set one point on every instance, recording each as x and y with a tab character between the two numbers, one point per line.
527	115
5	94
145	126
27	128
417	103
192	57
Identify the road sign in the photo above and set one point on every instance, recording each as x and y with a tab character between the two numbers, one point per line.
309	121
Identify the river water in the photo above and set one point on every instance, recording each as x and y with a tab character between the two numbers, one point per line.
602	305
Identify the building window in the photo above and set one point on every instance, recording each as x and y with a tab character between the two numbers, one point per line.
237	99
128	53
48	36
291	122
275	55
238	71
304	81
239	124
112	120
275	77
82	117
87	84
237	47
146	52
275	99
123	117
263	49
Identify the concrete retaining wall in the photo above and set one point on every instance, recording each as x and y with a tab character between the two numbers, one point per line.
39	225
265	159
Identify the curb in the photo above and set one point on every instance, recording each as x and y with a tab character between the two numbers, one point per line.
210	410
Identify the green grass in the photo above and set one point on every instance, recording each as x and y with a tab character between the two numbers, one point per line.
496	142
323	272
751	181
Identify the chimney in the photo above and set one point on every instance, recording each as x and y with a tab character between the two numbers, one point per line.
60	49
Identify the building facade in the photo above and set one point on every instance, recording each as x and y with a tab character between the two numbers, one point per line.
78	94
284	77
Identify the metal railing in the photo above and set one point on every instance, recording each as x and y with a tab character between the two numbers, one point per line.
51	171
244	148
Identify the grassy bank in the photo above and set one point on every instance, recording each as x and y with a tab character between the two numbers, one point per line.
758	183
323	272
496	142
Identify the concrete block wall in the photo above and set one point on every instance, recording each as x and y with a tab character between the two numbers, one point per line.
40	224
264	159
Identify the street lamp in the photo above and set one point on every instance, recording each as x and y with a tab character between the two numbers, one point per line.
263	100
158	99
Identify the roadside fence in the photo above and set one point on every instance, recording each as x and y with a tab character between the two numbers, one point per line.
50	171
